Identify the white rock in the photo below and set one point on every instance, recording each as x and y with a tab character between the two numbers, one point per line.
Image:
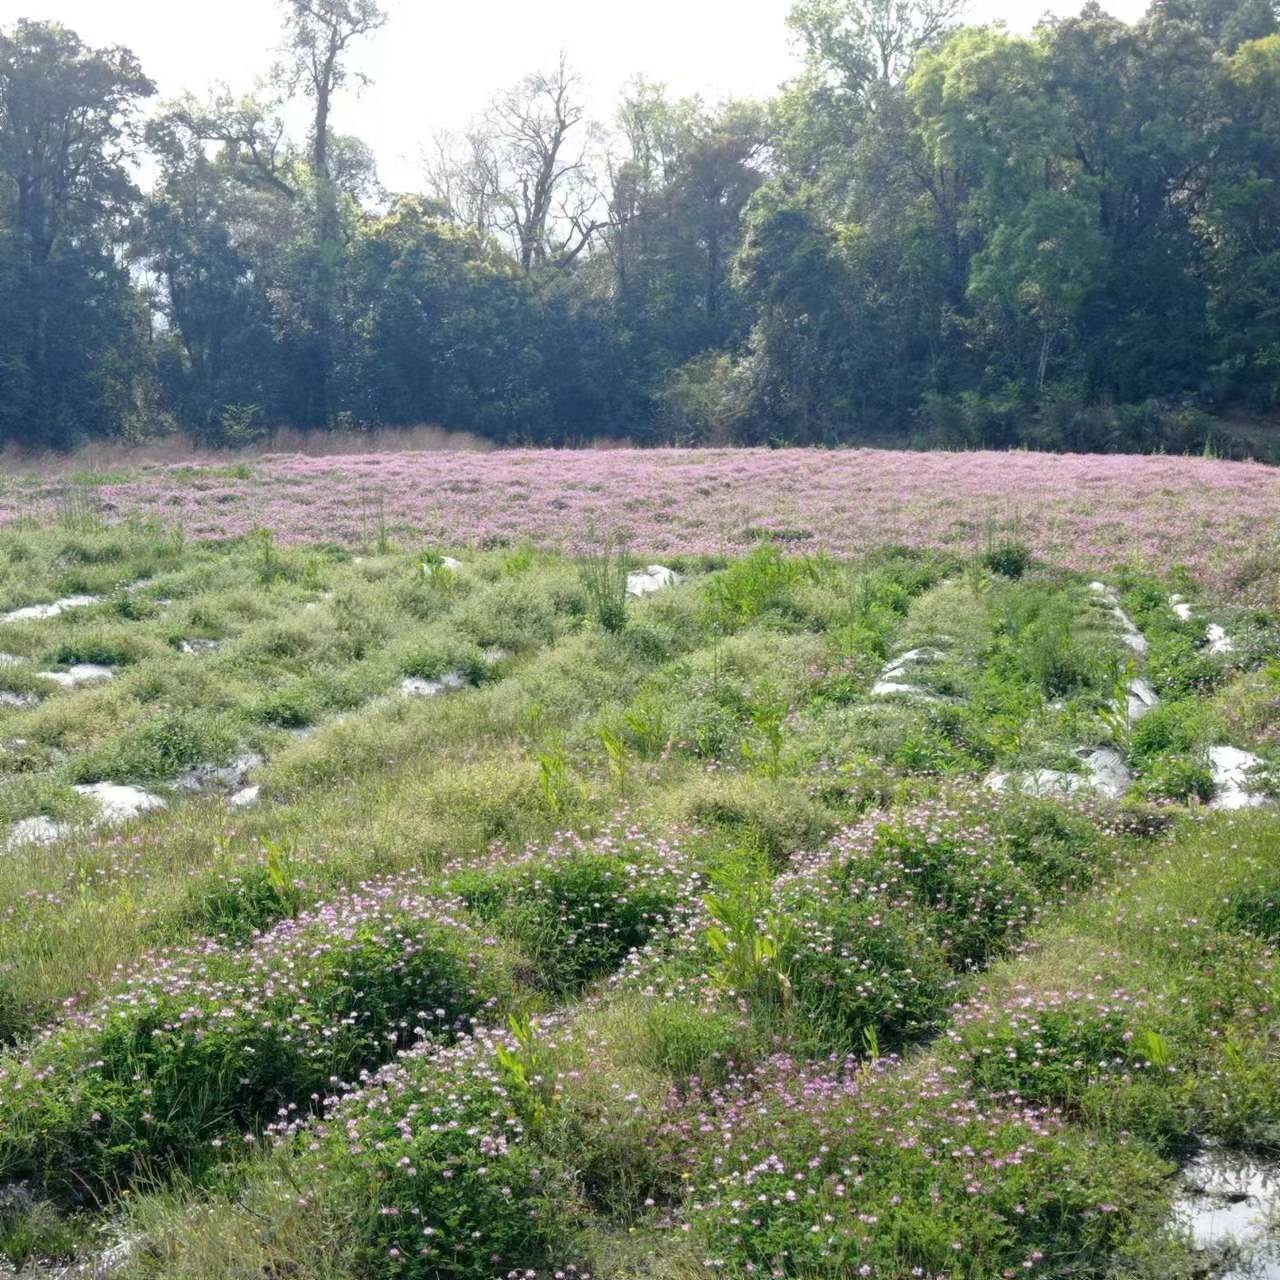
445	562
198	645
119	803
1130	633
39	612
80	673
213	777
11	660
887	688
1230	768
37	830
1180	607
1106	773
9	699
1107	769
1142	698
415	687
244	798
912	658
1219	641
654	577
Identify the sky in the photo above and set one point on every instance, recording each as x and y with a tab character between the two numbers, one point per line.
436	64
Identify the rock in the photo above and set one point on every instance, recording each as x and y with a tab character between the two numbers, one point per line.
39	612
77	674
11	660
891	679
37	830
655	577
1129	633
1106	774
415	687
1107	770
445	562
244	798
9	699
119	803
1180	607
198	645
1227	1207
912	658
1142	698
1218	640
213	777
1230	768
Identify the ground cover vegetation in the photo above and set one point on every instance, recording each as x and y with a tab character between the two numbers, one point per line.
889	915
937	232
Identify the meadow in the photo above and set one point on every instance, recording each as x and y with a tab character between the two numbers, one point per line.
401	878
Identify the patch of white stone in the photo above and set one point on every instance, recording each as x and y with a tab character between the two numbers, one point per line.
227	778
118	802
1218	640
20	700
1215	636
1231	768
654	577
1141	698
40	612
244	797
77	674
11	660
1105	774
416	687
1129	633
37	830
198	646
893	678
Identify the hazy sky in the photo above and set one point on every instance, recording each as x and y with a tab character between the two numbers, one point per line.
436	63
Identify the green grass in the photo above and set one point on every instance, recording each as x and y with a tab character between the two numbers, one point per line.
655	918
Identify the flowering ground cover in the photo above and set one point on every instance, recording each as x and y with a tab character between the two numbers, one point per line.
907	913
1086	512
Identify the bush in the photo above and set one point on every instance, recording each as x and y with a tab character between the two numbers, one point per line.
203	1045
577	917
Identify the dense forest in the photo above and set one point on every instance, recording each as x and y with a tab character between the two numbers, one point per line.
936	232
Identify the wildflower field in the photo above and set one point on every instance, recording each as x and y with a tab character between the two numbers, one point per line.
642	865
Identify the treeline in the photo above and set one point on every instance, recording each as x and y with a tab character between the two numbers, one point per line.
936	232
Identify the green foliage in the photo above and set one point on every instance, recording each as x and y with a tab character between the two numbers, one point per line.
604	579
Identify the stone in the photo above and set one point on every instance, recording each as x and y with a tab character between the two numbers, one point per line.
1218	640
912	658
1142	698
654	577
10	699
213	777
118	802
39	612
200	645
1105	773
1180	607
1230	768
11	660
415	687
1228	1208
37	830
244	797
77	674
1129	633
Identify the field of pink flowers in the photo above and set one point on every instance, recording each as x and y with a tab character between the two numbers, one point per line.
1089	512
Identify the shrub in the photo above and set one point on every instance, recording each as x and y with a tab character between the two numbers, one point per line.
429	1172
576	917
203	1044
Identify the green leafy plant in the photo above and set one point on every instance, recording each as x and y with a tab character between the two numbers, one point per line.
603	571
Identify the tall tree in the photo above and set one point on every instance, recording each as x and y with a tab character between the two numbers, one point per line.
68	130
320	34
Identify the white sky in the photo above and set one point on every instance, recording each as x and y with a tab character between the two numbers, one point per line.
435	64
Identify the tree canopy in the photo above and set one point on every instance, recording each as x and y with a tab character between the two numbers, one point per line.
936	231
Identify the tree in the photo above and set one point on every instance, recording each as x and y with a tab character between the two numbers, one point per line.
68	130
319	35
